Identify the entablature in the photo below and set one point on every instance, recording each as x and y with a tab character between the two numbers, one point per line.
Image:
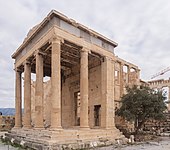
62	22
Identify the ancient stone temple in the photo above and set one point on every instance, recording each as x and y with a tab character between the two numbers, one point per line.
76	107
159	85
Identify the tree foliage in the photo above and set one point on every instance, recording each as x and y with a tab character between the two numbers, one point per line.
141	104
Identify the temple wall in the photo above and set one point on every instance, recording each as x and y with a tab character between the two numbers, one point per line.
46	102
117	92
69	87
33	102
72	86
94	91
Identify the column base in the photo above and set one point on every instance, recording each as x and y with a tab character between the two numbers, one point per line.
39	128
84	127
56	128
27	127
108	128
17	127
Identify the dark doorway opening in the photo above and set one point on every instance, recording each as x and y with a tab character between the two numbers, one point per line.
97	115
77	108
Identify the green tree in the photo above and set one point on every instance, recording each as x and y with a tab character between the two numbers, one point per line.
141	104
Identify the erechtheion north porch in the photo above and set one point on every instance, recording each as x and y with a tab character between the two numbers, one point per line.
86	82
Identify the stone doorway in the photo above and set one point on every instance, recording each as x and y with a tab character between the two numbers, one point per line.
97	115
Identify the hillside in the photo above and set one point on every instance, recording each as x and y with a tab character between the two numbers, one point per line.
7	111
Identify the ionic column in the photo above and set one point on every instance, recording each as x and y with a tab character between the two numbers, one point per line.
169	99
1	120
56	84
27	95
169	93
39	92
138	76
84	123
18	100
128	73
107	93
121	80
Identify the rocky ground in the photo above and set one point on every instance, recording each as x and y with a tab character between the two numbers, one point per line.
5	146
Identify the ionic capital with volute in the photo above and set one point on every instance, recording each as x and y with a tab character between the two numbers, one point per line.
56	39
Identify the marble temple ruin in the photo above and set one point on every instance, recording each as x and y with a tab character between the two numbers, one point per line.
85	83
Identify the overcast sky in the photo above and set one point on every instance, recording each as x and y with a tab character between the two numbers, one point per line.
140	27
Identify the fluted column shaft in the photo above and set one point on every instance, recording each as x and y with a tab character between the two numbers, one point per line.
39	92
84	123
169	99
107	93
128	73
0	120
121	80
18	100
56	84
27	95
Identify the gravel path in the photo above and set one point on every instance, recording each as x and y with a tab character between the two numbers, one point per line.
7	147
4	146
162	144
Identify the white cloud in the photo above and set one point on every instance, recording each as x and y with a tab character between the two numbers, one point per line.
141	29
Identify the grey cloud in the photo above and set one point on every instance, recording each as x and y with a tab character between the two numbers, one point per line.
141	29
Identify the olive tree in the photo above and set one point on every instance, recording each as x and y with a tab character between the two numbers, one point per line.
141	104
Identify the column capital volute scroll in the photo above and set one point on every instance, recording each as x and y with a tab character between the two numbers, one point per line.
56	39
17	69
85	50
137	70
38	52
113	60
129	67
26	62
121	63
106	58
